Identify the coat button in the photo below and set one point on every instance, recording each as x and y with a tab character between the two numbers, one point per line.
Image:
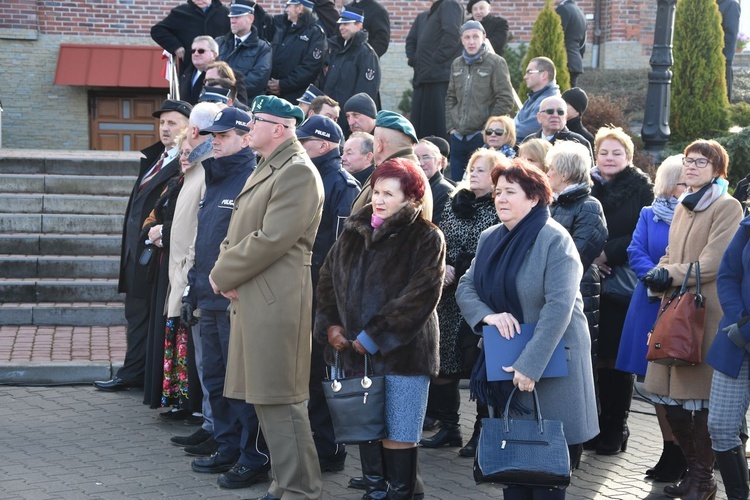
234	311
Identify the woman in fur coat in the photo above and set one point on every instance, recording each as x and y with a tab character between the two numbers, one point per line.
378	291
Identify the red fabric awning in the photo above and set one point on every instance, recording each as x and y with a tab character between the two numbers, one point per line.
110	66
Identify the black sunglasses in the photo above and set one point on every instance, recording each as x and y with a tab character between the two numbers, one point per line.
494	131
552	111
200	51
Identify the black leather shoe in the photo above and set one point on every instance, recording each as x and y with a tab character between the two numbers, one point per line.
193	439
358	483
240	476
114	385
204	449
173	415
333	463
193	419
213	464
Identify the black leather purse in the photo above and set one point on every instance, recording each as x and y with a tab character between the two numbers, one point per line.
522	452
357	405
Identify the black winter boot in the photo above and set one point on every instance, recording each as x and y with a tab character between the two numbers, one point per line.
671	465
616	393
401	471
733	468
471	447
373	471
447	403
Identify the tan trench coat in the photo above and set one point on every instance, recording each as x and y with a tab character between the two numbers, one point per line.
182	239
266	257
702	236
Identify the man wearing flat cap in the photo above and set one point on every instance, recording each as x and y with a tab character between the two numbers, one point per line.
479	87
243	49
299	50
394	137
353	66
160	162
264	269
496	27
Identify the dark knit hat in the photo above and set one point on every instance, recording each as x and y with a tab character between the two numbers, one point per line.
363	104
442	144
473	2
472	25
577	98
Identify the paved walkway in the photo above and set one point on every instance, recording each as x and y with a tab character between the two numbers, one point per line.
63	441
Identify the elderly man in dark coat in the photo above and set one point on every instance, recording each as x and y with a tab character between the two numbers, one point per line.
175	33
160	163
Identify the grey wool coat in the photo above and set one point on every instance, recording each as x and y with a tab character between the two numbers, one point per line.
547	284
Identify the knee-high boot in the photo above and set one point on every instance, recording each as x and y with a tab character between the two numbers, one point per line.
616	394
681	423
448	401
401	471
703	483
733	468
373	471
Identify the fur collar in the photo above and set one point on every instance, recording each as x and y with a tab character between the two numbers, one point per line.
622	187
360	223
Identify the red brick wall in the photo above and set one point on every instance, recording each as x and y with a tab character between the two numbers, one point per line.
622	20
18	14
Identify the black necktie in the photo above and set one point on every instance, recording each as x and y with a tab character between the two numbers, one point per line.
237	42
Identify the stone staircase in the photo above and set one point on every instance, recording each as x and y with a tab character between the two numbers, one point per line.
61	216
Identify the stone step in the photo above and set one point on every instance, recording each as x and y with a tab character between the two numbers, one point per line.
63	313
59	266
64	164
58	290
120	185
61	223
35	203
60	244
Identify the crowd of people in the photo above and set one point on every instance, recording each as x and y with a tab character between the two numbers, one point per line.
284	221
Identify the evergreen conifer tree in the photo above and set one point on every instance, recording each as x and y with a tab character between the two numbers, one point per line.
699	105
547	40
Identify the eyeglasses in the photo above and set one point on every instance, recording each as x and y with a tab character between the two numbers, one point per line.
533	71
550	112
426	158
185	154
200	51
256	118
494	131
698	162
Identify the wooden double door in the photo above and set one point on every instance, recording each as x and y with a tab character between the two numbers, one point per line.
122	121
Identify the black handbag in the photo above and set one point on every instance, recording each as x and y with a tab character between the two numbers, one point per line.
357	405
620	285
522	452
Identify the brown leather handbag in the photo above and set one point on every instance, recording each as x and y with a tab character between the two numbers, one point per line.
677	335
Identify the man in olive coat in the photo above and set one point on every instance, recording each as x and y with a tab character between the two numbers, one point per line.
264	268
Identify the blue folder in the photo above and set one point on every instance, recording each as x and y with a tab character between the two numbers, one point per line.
499	352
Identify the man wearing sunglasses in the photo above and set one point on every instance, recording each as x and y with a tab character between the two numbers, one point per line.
540	79
204	51
552	116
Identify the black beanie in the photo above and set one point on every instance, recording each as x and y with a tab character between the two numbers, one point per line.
363	104
577	98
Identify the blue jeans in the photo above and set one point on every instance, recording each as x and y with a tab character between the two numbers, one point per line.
461	151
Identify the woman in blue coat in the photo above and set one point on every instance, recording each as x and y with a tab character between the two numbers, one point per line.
730	387
649	244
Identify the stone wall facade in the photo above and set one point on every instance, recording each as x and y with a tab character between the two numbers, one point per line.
39	114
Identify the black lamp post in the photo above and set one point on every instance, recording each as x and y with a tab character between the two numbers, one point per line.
655	131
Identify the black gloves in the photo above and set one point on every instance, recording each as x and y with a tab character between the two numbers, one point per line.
186	315
657	279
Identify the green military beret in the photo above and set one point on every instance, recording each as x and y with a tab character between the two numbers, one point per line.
394	121
272	105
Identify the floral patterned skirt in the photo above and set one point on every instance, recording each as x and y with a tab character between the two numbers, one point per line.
175	381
